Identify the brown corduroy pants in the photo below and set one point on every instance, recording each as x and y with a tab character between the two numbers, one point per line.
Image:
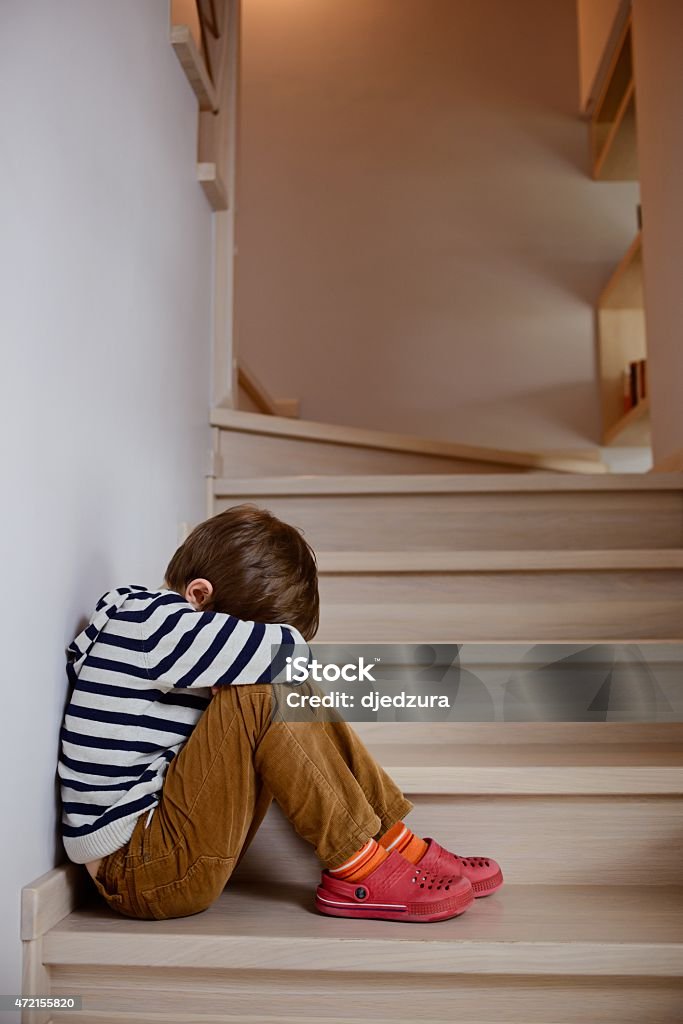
218	789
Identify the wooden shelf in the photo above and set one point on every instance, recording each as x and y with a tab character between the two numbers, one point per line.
621	340
613	122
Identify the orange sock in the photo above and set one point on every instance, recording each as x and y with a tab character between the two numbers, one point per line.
399	837
361	863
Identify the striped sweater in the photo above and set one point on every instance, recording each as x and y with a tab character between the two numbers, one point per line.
142	672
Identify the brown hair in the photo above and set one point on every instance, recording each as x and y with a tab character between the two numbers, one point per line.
261	569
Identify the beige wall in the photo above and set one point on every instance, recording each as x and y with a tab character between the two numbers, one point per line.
658	39
596	18
419	243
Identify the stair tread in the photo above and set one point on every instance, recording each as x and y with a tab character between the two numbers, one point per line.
519	560
529	755
591	929
443	483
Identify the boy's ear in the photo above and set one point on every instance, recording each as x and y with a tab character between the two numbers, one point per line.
199	593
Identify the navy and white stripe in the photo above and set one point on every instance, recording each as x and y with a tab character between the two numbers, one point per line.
142	672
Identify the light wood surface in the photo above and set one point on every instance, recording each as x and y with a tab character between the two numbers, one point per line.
621	340
536	769
575	621
607	60
231	419
624	290
255	455
640	411
261	397
436	483
217	145
51	897
35	980
527	734
618	158
44	903
356	562
469	519
549	839
600	606
276	997
214	187
535	930
615	156
194	67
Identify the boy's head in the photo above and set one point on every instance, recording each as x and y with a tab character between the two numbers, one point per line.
246	562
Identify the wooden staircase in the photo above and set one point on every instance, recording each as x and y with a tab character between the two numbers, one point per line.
534	556
585	818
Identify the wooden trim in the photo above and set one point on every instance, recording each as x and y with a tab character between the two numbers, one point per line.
194	67
606	151
308	430
214	188
218	141
261	397
455	483
288	407
35	980
609	297
671	464
50	898
636	413
609	57
358	562
44	903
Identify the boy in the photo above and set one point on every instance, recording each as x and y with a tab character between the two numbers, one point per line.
164	786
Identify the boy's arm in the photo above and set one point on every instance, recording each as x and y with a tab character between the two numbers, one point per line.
209	649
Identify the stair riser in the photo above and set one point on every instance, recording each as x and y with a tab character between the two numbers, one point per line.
256	455
191	996
465	606
582	520
543	840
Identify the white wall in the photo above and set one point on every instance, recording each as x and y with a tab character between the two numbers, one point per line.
419	241
596	20
658	47
105	279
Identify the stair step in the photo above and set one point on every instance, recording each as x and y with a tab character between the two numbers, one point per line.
354	562
541	511
600	605
534	768
284	439
617	814
435	483
324	997
488	735
589	930
104	1017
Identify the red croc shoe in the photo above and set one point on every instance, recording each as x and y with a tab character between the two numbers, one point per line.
484	873
396	891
